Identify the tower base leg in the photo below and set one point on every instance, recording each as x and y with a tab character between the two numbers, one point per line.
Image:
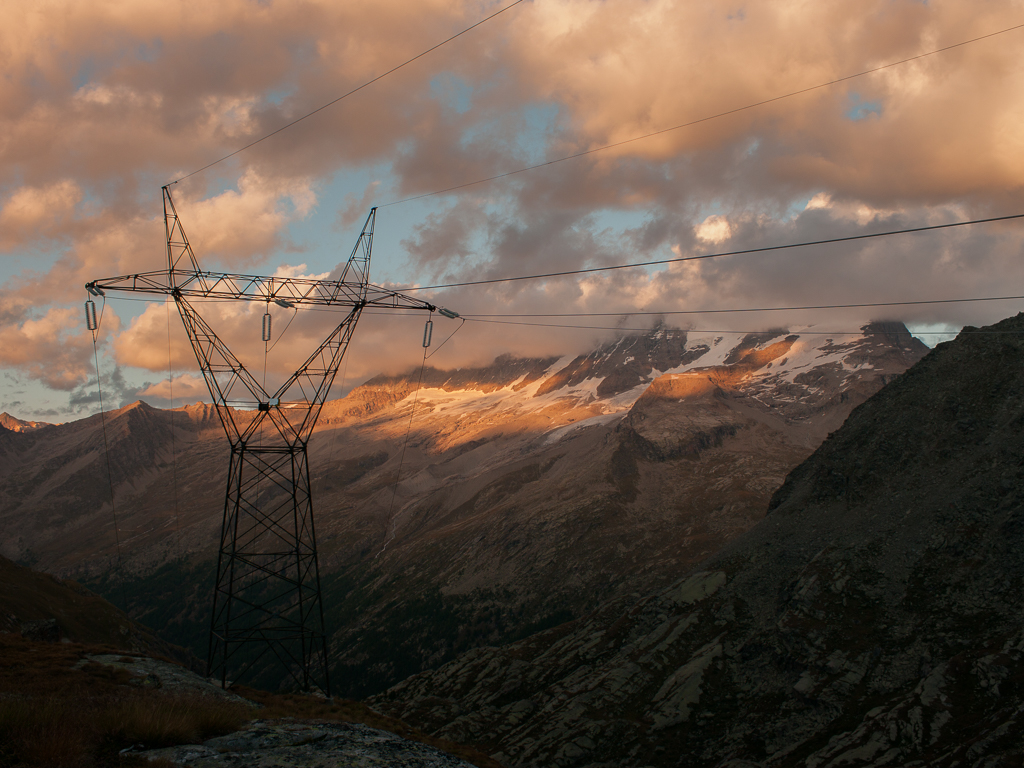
267	608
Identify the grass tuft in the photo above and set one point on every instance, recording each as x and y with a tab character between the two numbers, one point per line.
54	715
91	731
48	732
163	721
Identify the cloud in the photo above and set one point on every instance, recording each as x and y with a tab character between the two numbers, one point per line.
244	226
34	212
621	72
52	347
355	209
445	239
298	271
187	388
233	229
714	229
114	392
120	97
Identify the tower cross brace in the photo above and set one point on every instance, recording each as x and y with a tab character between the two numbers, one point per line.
267	597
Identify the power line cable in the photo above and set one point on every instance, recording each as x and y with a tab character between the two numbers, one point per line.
655	313
744	309
734	310
438	349
318	484
286	327
700	257
346	95
710	330
703	119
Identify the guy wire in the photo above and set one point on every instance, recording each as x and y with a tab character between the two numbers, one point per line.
174	455
401	460
110	476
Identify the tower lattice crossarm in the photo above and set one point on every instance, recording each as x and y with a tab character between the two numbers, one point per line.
231	384
283	291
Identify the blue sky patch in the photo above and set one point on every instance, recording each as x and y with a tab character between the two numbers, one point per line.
452	91
859	109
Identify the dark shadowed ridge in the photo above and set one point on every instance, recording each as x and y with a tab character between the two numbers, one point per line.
872	618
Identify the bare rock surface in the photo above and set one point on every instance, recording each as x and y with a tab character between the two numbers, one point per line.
309	744
13	424
146	672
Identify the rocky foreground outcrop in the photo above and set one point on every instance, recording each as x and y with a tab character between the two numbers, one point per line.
873	618
271	744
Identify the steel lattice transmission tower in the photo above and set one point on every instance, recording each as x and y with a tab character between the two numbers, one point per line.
267	593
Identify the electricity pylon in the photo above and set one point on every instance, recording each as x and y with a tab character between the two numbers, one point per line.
267	593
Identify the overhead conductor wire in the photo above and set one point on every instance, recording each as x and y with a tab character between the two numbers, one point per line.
736	310
493	318
708	118
320	482
629	313
346	95
720	254
706	330
427	357
392	522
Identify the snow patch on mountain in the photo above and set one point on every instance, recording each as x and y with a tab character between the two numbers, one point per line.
602	419
582	381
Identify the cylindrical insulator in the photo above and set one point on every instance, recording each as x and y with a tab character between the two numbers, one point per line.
90	315
428	331
266	326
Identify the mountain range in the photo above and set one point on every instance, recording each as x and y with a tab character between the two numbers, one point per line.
460	509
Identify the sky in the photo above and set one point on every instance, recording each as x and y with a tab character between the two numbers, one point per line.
102	103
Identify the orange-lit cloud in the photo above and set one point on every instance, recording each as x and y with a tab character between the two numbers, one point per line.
52	347
33	212
188	388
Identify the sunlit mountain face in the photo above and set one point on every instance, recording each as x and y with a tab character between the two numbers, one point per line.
18	425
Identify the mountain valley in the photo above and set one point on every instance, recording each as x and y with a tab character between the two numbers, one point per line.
478	508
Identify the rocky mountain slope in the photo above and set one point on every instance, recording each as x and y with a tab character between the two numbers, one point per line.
873	618
528	492
41	607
